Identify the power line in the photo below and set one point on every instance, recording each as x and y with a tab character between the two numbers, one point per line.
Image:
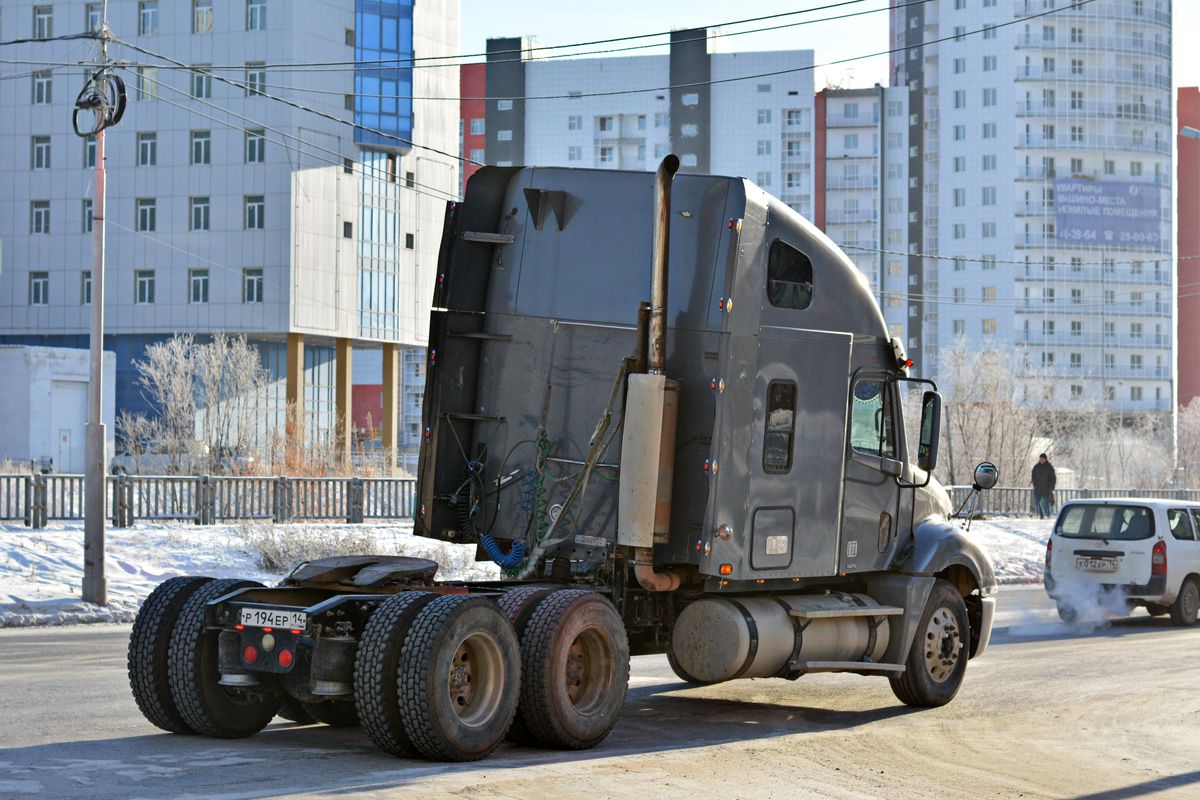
43	39
255	91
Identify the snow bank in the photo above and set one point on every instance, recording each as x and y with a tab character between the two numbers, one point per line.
41	571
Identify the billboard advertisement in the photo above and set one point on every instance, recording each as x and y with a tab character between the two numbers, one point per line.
1107	212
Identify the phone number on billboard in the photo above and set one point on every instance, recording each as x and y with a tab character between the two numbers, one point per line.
1081	235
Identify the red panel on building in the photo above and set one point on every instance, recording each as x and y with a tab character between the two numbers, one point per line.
473	82
366	410
1187	285
819	160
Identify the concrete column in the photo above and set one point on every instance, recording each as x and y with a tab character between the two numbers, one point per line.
391	404
343	395
295	387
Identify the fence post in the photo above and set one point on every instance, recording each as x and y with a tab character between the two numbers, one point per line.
206	512
354	501
37	505
281	502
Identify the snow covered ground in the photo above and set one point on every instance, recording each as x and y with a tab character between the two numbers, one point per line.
41	571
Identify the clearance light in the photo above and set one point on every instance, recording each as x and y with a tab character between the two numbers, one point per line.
250	654
285	658
432	357
908	362
240	627
727	569
297	631
725	532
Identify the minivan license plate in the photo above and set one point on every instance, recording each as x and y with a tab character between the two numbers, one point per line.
1096	564
272	618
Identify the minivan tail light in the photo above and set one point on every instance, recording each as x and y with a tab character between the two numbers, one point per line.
1158	558
1049	549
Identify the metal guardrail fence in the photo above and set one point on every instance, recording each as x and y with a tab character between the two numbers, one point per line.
205	500
1014	500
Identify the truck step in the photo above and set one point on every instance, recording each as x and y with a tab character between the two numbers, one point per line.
854	611
800	667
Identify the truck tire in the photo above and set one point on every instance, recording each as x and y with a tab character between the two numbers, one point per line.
460	675
148	645
937	659
294	710
575	670
334	713
209	708
1186	605
519	605
377	671
682	673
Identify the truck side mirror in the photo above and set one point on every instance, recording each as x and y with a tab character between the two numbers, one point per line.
931	431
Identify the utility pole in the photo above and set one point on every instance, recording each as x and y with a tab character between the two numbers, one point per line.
105	95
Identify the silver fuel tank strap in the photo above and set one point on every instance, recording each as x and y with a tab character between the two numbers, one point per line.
752	629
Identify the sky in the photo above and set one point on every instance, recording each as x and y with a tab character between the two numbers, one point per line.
555	22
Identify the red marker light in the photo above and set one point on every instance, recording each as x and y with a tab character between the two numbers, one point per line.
297	631
285	658
240	627
267	630
908	362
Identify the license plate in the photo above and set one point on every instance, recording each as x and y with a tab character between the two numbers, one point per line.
273	618
1096	564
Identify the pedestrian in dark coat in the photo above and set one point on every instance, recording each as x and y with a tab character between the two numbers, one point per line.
1043	480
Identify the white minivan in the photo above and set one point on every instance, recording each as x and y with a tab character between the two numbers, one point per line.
1141	552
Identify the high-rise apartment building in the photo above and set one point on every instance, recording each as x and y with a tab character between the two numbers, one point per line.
313	231
691	102
1039	187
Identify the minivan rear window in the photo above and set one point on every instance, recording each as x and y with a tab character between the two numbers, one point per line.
1097	521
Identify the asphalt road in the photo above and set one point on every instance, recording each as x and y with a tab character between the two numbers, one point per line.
1109	714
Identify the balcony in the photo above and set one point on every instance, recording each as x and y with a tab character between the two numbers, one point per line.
1122	10
842	182
1136	78
1093	141
1066	340
1138	112
1130	44
868	120
857	216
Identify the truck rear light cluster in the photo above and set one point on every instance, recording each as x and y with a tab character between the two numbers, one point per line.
1158	558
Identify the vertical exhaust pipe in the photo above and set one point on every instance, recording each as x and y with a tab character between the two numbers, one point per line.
657	361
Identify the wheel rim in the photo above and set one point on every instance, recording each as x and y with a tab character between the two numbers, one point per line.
943	644
590	671
475	680
1190	602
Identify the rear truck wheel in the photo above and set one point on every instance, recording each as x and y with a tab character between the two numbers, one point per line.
209	708
148	645
460	676
295	711
1186	605
682	673
334	713
937	659
1157	609
519	605
575	670
377	671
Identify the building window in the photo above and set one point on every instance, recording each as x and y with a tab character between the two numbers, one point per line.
1110	167
256	78
256	146
42	88
960	66
989	63
988	230
148	17
198	286
1135	168
960	32
504	136
410	241
641	152
690	99
960	98
574	122
574	154
201	147
85	288
764	116
989	327
504	105
1077	101
960	264
894	141
660	150
795	180
147	212
960	133
89	152
147	83
256	15
143	287
477	156
147	149
960	294
201	84
960	327
40	153
607	155
641	122
1047	360
252	285
605	124
989	130
202	16
989	195
1135	361
39	288
960	198
478	126
200	214
764	147
39	217
851	110
989	294
86	226
989	163
763	179
960	230
43	22
255	209
989	97
850	140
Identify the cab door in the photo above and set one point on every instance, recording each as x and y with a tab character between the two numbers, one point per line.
871	493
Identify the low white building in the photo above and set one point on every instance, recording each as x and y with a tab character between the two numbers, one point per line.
44	405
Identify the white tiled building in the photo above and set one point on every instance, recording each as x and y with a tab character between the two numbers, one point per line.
228	210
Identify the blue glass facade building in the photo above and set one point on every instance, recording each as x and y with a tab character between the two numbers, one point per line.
384	33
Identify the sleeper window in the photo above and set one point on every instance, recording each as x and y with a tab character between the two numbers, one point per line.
781	424
789	277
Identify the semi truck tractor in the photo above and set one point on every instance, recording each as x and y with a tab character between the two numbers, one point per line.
668	408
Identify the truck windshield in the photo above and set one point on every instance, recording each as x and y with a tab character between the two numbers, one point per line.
1096	521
